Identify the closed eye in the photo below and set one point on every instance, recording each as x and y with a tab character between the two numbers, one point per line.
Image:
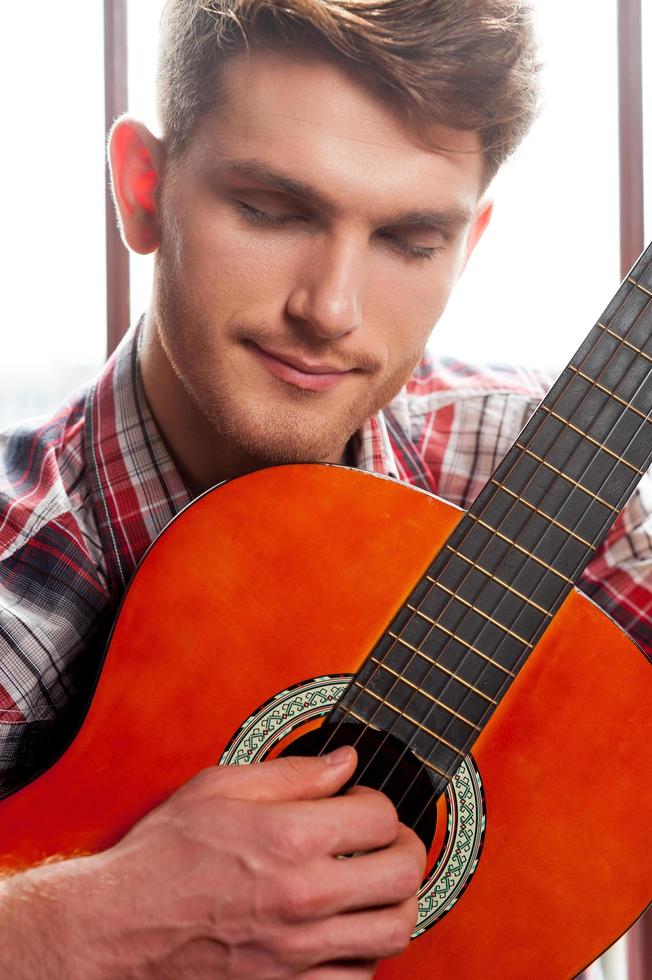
412	251
255	216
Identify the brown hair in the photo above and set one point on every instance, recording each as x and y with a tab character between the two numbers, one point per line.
469	64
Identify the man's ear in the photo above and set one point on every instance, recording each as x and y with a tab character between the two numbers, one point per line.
480	222
136	160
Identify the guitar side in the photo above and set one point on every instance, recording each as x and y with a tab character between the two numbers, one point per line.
292	573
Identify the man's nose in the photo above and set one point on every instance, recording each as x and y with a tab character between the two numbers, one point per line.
328	295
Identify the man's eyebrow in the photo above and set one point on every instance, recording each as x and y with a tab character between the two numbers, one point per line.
453	216
259	171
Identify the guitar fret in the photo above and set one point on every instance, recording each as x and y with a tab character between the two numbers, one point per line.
639	286
617	336
611	394
425	693
565	476
363	721
595	442
519	547
562	527
418	724
494	578
445	670
453	636
475	609
431	765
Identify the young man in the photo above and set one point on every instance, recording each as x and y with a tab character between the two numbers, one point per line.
314	198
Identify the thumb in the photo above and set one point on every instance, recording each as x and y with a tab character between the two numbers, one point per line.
289	778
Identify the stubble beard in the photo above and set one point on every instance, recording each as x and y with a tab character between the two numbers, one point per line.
300	433
297	433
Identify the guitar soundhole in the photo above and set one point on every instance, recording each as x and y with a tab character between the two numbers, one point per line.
384	764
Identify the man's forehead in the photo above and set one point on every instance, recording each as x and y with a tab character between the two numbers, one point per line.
316	124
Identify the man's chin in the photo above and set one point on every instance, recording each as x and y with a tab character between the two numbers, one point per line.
288	438
271	435
278	452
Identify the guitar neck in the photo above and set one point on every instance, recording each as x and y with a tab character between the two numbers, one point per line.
470	623
551	502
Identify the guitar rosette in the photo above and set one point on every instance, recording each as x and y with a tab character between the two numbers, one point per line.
459	853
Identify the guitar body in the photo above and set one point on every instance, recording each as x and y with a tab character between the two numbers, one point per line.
239	632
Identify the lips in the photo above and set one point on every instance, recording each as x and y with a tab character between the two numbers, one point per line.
297	372
303	366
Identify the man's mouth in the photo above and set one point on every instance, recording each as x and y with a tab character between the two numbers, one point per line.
311	375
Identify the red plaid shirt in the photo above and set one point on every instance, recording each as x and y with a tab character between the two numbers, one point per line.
83	495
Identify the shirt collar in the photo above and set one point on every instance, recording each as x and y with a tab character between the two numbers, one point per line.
136	487
372	448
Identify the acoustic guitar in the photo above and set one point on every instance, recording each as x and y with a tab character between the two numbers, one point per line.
508	718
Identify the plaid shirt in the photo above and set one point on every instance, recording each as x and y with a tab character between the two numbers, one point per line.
83	495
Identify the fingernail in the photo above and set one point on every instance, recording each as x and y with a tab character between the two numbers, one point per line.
339	756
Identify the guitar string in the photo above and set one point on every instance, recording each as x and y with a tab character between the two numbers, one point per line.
560	395
346	709
593	349
622	500
527	646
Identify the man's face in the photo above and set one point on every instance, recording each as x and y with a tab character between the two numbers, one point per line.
309	244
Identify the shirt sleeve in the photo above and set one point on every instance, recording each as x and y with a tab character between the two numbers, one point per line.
53	619
619	578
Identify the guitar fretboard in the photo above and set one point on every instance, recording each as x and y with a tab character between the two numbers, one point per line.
451	652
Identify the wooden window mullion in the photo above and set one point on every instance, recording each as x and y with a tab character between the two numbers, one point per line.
115	102
630	112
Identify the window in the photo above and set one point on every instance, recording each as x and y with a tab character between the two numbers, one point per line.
549	261
52	176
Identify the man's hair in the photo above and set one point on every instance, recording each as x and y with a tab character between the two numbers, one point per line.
469	64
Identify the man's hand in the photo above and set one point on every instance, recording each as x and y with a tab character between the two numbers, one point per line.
235	876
